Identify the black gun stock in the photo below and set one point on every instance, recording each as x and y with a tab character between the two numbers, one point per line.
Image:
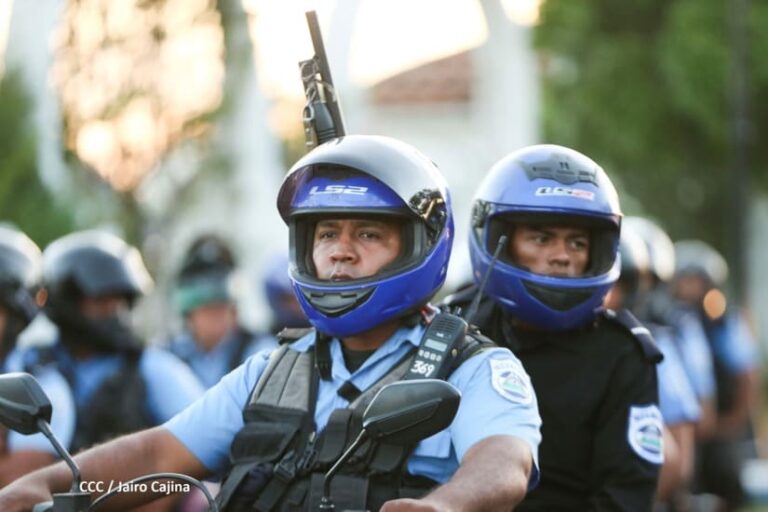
322	115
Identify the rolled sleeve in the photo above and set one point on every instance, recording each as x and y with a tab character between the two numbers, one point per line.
497	398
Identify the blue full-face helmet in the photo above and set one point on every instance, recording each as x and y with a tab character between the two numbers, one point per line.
546	185
367	176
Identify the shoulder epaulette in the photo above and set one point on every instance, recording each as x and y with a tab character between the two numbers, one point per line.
639	332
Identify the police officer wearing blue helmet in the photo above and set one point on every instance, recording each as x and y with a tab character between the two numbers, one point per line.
594	378
370	236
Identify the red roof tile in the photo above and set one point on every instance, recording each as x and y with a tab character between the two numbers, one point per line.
445	80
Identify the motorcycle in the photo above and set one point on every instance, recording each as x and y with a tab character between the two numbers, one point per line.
402	413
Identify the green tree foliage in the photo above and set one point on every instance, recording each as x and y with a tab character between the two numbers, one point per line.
24	201
642	87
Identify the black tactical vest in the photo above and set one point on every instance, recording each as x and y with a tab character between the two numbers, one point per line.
279	459
117	407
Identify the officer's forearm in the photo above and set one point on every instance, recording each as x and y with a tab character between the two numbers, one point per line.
735	420
151	451
107	466
16	464
493	476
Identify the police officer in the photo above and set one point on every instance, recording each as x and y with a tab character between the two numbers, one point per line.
677	400
92	279
278	289
213	341
657	307
19	279
594	377
371	232
700	274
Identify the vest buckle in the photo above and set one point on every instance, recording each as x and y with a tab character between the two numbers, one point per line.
285	470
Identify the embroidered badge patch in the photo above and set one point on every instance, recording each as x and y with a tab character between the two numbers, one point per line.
510	381
645	432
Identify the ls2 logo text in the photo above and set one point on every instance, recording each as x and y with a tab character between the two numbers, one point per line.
338	189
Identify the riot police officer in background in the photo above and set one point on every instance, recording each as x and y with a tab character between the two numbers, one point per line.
700	276
594	371
213	341
114	384
677	400
657	307
19	280
371	231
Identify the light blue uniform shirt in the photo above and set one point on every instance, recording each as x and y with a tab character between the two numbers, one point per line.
496	398
696	355
677	400
733	344
170	387
211	366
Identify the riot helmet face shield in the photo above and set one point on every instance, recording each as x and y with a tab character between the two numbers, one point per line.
92	280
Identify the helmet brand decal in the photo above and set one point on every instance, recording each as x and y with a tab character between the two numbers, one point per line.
510	381
564	191
339	189
645	432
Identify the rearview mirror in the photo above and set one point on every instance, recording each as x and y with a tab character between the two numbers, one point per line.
408	411
22	403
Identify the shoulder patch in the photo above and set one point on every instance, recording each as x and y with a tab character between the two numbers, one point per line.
638	331
645	432
510	381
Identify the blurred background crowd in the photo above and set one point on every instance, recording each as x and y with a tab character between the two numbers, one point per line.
169	124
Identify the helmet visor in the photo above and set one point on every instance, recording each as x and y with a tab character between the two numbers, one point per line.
602	237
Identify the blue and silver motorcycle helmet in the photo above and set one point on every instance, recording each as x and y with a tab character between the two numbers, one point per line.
548	185
367	176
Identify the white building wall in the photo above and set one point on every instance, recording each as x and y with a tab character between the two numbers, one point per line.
466	139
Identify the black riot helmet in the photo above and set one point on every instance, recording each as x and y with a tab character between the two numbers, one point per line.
92	264
206	274
19	279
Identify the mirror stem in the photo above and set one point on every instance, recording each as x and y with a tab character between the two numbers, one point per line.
326	503
46	430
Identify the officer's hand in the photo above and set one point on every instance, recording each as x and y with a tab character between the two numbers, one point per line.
21	498
409	505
